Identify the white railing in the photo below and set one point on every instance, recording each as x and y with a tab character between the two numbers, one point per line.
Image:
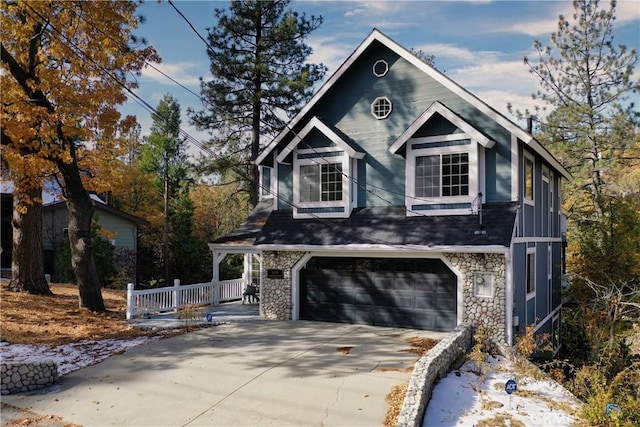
175	297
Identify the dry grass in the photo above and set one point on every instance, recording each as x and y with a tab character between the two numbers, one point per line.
57	319
395	399
344	350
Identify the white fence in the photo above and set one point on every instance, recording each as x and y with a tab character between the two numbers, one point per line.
173	298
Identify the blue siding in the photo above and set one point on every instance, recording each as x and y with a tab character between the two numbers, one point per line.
285	186
519	283
542	290
498	168
556	271
347	107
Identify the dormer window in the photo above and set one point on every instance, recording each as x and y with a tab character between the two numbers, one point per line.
321	182
324	166
443	174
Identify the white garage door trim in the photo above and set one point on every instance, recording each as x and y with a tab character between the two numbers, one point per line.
295	274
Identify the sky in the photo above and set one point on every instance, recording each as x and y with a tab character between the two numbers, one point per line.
480	44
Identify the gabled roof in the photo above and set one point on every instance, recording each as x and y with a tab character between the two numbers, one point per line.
434	108
389	226
316	123
377	36
104	207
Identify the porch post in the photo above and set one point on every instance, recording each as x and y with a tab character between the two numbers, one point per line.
215	280
246	272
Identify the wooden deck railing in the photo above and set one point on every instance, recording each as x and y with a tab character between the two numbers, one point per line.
173	298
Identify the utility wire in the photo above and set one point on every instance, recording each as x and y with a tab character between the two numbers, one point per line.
79	52
290	129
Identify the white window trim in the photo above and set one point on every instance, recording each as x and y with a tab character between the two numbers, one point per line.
531	157
345	203
272	176
531	295
380	98
386	68
410	174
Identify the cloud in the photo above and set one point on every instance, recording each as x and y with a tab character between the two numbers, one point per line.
455	54
626	11
178	71
328	51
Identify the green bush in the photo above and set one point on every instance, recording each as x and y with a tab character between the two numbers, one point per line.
103	252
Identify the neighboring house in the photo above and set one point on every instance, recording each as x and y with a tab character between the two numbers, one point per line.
398	198
120	228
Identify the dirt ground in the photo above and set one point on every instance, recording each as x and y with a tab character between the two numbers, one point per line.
57	319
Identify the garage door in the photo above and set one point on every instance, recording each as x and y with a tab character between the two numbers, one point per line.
409	293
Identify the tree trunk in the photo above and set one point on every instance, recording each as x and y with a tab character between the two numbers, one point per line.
165	237
27	265
254	185
82	261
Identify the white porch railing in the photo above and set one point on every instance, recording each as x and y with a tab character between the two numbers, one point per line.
173	298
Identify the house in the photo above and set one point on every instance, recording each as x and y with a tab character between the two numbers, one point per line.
395	197
120	228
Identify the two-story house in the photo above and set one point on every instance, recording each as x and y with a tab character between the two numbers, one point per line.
395	197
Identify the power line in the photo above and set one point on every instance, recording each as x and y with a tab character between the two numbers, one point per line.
79	52
290	129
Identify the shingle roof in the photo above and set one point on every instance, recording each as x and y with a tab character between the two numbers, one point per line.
247	233
391	226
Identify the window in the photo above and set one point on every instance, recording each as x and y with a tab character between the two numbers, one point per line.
321	182
381	107
265	181
483	285
255	270
444	175
528	178
380	68
531	273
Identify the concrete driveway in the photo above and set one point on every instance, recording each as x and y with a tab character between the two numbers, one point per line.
252	374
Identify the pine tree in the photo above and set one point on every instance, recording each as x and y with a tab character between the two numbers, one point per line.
258	55
164	154
587	80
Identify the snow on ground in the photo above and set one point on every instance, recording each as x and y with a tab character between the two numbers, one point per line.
455	401
70	357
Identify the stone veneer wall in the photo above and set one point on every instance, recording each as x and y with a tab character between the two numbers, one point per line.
489	313
428	369
276	294
21	377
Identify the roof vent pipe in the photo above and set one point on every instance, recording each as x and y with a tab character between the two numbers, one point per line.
530	124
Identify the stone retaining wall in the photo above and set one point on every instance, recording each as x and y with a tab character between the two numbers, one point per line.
21	377
431	367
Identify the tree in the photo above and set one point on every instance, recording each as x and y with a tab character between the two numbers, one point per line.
258	55
65	69
164	154
587	80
